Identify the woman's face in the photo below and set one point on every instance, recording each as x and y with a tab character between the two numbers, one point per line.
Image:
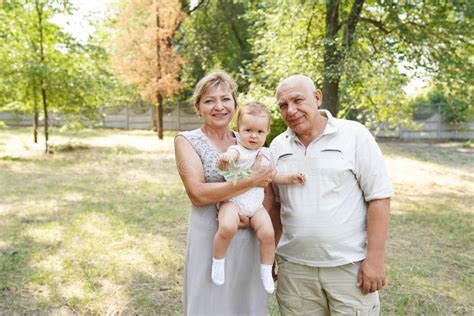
217	106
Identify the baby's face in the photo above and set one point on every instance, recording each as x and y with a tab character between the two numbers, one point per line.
253	130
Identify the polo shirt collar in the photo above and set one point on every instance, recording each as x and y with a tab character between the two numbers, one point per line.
331	126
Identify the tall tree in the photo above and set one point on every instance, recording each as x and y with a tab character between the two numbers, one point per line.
358	51
45	67
398	31
142	50
335	53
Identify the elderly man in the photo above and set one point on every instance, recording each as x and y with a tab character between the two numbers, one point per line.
331	230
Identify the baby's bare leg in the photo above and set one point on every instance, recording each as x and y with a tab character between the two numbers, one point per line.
262	225
228	224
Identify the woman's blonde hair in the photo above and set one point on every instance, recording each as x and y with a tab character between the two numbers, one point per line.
213	80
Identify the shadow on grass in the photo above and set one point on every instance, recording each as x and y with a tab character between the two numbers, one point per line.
118	211
29	288
430	256
16	272
438	153
14	158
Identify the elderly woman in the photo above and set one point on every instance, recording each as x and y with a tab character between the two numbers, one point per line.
197	152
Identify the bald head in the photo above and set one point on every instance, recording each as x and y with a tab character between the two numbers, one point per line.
297	80
299	100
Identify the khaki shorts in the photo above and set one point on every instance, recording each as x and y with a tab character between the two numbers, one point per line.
304	290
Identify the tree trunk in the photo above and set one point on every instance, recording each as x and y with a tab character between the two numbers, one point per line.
35	125
39	11
331	95
46	120
159	116
35	114
159	96
332	59
334	54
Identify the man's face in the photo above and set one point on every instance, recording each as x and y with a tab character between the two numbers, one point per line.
298	105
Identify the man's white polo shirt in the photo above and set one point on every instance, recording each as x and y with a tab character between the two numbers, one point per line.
324	220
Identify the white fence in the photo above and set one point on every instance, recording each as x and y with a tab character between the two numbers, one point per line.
179	118
182	117
430	126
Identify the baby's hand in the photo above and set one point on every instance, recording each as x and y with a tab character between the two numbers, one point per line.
298	178
225	160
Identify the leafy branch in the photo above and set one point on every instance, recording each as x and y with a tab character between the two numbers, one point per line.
234	173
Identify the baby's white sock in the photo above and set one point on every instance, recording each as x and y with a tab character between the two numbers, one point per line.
218	271
267	279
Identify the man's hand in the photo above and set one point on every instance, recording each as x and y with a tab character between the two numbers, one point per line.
274	271
371	277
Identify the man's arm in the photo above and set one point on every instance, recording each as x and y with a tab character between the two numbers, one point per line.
372	276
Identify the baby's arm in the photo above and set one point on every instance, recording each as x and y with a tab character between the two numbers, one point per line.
280	178
297	178
227	158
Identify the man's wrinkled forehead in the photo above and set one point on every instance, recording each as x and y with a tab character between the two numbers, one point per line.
289	91
295	83
288	95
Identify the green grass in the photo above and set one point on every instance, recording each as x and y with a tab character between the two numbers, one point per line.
99	226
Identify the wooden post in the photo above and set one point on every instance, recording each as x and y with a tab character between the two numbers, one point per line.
127	119
179	116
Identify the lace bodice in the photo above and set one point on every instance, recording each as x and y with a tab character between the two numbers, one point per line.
207	152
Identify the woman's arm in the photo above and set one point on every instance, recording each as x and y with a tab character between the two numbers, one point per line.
201	193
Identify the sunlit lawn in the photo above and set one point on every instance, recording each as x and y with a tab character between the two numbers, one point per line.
100	226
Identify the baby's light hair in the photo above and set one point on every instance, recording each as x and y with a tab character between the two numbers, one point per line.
254	108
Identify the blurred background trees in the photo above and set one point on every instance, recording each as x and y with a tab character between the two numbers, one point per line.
142	51
361	53
44	69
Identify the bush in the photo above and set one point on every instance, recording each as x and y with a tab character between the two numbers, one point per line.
277	126
453	110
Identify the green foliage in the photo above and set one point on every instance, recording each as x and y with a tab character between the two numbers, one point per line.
283	49
467	144
74	75
391	41
216	36
454	111
371	85
234	173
